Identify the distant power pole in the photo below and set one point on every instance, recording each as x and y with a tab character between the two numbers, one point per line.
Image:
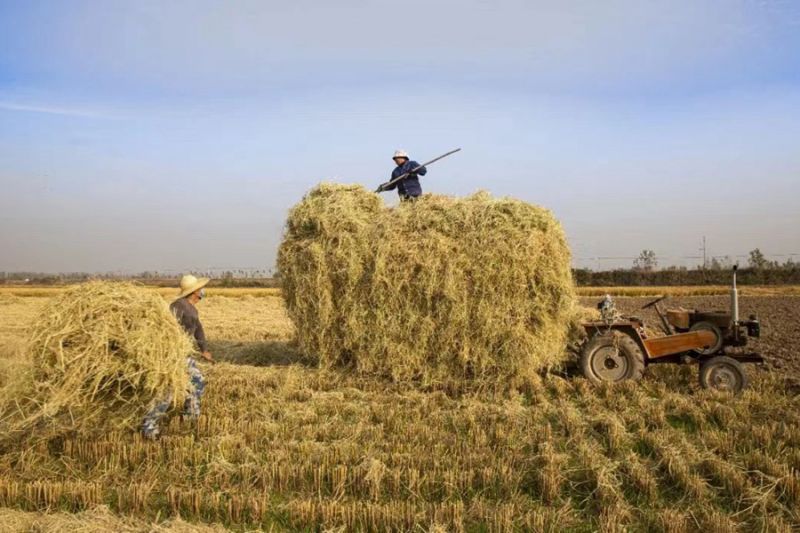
703	249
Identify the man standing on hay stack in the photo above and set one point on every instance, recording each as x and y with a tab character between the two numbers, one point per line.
192	291
408	188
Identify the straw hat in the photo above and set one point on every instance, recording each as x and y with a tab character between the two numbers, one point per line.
400	153
189	284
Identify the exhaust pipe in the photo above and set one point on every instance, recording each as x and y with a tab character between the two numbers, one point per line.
734	300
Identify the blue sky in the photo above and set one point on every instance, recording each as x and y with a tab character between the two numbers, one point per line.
176	135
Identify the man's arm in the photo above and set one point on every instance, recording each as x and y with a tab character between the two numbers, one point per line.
202	344
421	172
393	186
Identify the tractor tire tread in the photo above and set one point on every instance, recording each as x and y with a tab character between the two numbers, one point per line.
636	356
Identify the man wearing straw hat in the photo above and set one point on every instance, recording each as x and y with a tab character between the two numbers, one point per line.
192	291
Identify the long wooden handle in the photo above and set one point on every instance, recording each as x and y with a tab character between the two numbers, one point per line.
404	176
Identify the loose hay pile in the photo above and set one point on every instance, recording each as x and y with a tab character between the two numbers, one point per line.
98	357
439	290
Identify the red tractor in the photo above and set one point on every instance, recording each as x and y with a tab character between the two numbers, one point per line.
619	348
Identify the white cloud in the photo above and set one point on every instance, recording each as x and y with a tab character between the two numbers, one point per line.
55	110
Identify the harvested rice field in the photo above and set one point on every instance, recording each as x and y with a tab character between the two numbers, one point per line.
284	446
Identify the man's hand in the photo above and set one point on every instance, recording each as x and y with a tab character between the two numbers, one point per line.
207	356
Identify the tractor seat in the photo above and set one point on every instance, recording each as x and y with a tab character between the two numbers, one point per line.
679	317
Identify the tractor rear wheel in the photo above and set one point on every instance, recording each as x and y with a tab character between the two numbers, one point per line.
612	358
708	326
723	373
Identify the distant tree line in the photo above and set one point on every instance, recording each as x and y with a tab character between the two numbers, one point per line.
685	276
643	272
227	278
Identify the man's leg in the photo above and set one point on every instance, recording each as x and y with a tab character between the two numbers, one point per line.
150	428
191	408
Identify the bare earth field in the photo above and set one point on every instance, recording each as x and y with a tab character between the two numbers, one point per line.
284	446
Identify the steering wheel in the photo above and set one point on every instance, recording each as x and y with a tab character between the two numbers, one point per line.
654	302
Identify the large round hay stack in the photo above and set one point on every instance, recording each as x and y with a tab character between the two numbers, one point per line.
99	355
437	291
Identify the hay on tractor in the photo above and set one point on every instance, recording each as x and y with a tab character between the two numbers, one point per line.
438	290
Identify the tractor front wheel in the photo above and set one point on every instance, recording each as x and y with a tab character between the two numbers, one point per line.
612	358
723	373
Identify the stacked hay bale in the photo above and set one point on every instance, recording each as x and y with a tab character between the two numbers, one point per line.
438	291
99	355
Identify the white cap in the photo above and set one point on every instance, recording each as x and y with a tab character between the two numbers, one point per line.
400	153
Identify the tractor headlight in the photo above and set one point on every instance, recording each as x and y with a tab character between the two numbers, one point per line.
753	327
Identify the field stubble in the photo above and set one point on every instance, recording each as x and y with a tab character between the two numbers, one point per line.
282	444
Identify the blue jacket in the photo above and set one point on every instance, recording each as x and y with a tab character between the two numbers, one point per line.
408	186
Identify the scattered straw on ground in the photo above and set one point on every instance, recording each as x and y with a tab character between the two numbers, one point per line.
10	299
438	290
98	356
97	520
